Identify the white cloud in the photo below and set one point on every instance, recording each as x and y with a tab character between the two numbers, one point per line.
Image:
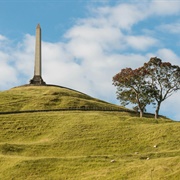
121	16
171	28
2	38
87	33
141	42
8	74
23	56
170	107
167	55
4	41
164	8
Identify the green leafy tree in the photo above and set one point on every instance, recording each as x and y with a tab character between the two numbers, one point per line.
163	78
133	88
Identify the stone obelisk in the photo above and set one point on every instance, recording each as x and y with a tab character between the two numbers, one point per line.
37	79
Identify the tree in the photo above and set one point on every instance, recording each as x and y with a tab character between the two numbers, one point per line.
133	88
153	82
163	78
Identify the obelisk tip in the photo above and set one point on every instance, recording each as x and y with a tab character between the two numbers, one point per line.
38	26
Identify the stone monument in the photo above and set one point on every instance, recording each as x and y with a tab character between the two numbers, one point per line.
37	79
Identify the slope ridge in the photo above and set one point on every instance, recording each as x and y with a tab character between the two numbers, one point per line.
48	97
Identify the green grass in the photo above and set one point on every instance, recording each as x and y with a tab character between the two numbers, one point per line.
81	144
45	98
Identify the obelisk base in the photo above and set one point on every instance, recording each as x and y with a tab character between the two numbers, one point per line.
37	80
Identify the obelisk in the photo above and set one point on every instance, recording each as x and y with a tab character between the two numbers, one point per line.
37	79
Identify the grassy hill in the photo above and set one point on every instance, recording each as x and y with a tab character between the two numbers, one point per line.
82	144
46	98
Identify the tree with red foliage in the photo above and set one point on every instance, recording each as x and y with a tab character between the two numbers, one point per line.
133	88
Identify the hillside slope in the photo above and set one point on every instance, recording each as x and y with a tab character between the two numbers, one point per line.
46	98
88	145
84	145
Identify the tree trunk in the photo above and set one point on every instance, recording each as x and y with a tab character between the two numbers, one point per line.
157	110
141	113
139	105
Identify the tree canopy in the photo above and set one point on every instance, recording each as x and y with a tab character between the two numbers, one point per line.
154	82
133	88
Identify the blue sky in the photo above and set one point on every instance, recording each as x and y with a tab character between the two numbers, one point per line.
86	42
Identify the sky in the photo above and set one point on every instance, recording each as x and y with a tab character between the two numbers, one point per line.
86	42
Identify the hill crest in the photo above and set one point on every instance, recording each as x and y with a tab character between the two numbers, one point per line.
28	97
